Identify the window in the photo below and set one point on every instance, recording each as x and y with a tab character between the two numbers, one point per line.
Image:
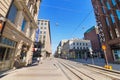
80	43
12	13
117	32
45	23
23	25
41	23
81	48
101	1
86	44
83	44
2	53
43	37
77	47
41	27
112	17
117	54
8	42
44	27
44	32
41	32
114	2
8	54
107	21
77	43
73	47
73	43
111	36
103	9
118	14
108	5
31	29
38	22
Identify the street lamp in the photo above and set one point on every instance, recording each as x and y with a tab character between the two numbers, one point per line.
90	49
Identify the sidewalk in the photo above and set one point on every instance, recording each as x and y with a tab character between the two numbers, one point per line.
48	70
98	62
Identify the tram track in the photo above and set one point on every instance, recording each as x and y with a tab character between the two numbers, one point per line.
82	73
77	73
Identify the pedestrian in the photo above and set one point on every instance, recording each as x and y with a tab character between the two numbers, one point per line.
41	58
38	60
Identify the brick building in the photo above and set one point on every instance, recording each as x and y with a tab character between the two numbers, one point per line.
92	35
108	18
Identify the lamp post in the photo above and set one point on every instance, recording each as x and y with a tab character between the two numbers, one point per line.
90	49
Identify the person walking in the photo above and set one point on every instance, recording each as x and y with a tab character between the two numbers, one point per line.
41	58
38	60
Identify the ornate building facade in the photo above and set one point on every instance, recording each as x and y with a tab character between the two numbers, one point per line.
18	33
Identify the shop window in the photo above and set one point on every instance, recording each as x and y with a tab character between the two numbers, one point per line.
118	14
12	13
117	54
8	54
23	25
8	42
2	53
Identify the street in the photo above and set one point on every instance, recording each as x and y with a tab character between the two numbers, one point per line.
57	69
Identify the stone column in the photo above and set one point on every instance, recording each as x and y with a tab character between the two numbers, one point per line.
19	19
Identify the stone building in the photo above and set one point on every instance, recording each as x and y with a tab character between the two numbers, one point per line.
45	37
16	41
77	48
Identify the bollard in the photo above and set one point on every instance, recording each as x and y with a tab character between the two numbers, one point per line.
108	67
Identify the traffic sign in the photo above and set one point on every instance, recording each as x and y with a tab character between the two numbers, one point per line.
103	47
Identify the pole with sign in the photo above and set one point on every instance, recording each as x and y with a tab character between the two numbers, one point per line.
104	49
106	66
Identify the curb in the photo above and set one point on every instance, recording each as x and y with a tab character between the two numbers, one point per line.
99	67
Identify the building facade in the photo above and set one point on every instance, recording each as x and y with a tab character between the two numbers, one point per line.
45	37
76	48
108	18
59	48
92	35
18	34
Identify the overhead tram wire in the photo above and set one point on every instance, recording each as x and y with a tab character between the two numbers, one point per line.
89	15
84	19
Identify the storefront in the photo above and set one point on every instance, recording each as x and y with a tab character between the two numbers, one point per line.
7	51
116	52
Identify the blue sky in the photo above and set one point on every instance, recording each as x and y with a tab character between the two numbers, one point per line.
68	18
